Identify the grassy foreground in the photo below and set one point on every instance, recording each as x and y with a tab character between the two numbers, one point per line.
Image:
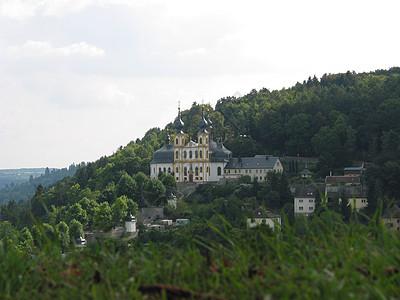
328	260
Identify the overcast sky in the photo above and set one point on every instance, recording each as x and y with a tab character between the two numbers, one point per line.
79	78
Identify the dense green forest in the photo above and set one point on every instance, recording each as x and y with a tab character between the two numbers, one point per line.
339	118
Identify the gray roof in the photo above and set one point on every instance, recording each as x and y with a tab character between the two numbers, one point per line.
257	162
354	169
164	155
178	124
219	153
351	191
260	213
203	124
306	172
308	191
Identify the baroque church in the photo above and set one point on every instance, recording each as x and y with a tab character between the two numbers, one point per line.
206	160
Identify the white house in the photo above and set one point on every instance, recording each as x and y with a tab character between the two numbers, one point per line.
264	217
256	167
304	200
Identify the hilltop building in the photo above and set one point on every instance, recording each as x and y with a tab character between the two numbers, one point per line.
206	161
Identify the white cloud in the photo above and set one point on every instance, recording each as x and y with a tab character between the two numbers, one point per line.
46	48
197	51
23	10
18	9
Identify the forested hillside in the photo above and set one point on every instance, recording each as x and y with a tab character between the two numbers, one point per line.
338	118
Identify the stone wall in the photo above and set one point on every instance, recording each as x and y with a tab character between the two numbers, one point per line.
148	214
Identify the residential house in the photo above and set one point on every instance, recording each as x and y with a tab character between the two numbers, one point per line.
256	167
304	199
356	195
264	217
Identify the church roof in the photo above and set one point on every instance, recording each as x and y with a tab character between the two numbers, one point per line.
218	152
257	162
203	123
178	124
164	155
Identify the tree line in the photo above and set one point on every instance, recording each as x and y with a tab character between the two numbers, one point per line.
338	118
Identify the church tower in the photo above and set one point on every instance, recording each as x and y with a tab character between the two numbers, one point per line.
193	162
203	139
179	144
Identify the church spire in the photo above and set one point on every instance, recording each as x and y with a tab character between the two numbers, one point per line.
167	139
179	123
203	123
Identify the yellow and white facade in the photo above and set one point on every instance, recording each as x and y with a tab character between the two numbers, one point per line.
201	161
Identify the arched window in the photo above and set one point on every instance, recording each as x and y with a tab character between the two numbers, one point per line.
184	155
190	154
165	170
196	171
219	171
196	154
159	170
201	141
206	140
207	154
176	155
169	170
201	154
176	170
176	141
185	171
201	169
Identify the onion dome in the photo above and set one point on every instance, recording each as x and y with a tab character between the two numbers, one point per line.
179	123
209	122
219	153
203	123
167	139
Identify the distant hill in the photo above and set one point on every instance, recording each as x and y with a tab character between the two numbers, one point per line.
16	176
20	184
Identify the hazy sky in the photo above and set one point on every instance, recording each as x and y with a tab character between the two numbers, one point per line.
79	78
